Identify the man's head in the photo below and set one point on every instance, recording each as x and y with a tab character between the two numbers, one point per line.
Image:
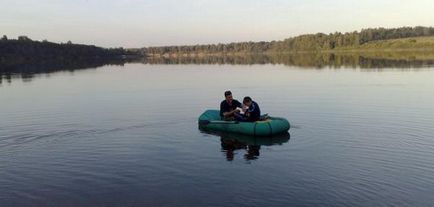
247	101
228	96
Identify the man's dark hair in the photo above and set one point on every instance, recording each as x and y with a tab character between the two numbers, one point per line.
228	93
247	99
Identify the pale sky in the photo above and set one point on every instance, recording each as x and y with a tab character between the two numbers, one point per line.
140	23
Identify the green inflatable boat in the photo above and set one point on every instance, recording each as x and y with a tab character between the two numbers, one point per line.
211	120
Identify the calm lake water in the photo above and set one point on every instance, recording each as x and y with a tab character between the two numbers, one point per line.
128	136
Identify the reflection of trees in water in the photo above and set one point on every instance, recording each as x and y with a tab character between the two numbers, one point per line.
380	60
27	71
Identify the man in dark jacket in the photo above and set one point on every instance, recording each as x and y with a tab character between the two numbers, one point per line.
252	113
228	107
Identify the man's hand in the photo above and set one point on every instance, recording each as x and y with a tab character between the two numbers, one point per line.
245	108
226	114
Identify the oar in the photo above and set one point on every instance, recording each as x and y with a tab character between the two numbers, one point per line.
206	122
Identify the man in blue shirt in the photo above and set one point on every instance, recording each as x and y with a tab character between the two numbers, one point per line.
252	113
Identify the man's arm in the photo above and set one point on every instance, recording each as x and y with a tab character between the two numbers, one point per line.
230	113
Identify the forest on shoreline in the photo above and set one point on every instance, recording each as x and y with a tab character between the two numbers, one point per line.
24	51
366	39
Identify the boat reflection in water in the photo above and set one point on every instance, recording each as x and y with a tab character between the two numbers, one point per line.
231	143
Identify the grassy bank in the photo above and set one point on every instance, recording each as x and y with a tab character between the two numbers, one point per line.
394	45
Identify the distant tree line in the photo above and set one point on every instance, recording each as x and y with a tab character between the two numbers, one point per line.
310	42
24	50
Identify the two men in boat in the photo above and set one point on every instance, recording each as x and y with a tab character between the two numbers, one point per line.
230	109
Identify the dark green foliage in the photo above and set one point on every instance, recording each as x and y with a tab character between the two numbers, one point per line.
251	47
368	35
24	51
24	38
310	42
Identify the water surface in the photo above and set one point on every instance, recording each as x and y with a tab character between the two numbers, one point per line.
128	136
